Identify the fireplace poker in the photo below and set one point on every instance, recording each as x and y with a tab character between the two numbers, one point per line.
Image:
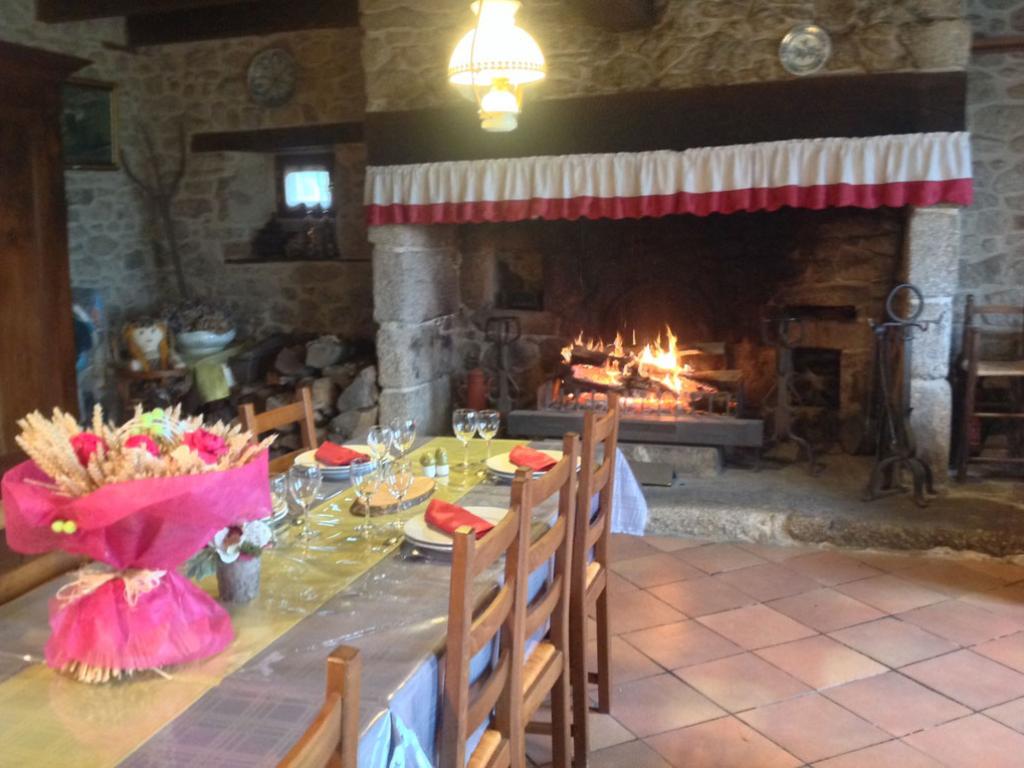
503	332
896	447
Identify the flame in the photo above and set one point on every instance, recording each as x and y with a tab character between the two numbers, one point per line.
661	361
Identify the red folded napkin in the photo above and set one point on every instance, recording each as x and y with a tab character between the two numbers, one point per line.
530	458
337	455
450	517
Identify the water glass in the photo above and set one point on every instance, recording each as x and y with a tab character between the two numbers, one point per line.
403	435
304	484
279	494
366	481
379	440
464	422
487	425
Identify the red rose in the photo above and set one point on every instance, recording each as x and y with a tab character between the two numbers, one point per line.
143	441
85	444
206	444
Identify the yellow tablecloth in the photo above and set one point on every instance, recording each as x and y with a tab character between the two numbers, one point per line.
49	719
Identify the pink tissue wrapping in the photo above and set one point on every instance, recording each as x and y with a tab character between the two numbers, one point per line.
153	524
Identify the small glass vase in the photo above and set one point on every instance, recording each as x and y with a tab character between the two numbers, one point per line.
239	582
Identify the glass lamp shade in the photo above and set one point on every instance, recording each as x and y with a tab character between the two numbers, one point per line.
496	49
499	108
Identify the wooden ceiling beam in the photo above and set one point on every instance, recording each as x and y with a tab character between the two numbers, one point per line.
617	15
240	19
81	10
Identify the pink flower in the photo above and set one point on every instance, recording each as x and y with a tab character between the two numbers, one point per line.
85	444
206	444
143	441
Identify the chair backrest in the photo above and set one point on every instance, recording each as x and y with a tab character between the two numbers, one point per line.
552	602
472	628
301	412
333	738
593	530
977	323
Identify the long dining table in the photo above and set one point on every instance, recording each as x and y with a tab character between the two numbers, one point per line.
249	704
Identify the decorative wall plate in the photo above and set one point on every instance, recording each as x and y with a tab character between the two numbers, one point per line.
805	49
271	77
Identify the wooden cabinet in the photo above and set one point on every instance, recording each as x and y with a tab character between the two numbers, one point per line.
37	350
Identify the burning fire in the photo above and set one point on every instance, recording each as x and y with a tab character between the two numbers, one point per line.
616	366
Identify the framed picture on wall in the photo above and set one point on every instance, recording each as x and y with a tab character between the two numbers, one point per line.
89	125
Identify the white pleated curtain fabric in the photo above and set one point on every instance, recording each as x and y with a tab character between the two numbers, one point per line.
909	169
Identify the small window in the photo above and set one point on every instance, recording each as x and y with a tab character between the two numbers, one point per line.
305	183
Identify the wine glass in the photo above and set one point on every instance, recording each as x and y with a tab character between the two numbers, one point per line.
304	482
398	477
464	424
366	481
379	440
487	425
403	435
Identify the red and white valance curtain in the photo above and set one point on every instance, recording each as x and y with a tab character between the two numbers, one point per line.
910	169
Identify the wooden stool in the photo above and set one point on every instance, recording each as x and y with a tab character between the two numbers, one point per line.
301	412
332	741
590	574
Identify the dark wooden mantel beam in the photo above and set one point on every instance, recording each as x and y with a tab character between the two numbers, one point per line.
80	10
617	15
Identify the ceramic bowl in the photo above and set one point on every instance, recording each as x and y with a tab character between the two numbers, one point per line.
204	342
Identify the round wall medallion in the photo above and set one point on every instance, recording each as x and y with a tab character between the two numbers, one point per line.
805	49
272	76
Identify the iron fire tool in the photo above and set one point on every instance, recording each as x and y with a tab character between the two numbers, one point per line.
895	447
786	333
504	332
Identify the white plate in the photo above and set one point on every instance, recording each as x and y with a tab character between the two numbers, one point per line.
418	532
501	465
308	459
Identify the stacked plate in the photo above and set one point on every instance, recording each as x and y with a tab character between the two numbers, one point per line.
503	469
331	472
420	534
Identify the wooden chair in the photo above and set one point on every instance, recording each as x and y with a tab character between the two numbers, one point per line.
472	628
332	741
976	370
590	574
546	668
301	411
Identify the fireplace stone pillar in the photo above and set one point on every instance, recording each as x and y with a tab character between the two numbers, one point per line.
931	262
415	298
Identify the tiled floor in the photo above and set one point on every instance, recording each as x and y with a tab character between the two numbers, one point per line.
750	656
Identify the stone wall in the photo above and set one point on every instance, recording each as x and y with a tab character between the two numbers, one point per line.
107	227
696	42
992	263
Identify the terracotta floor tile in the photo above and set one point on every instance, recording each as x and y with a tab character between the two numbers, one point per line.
891	594
681	644
627	662
623	547
896	703
742	682
631	611
1006	650
717	558
659	704
813	728
769	581
891	754
961	622
894	642
971	679
634	754
1011	714
674	543
604	731
756	626
973	742
890	561
950	578
821	662
723	743
1005	601
617	583
652	570
777	553
831	568
1005	571
697	597
826	610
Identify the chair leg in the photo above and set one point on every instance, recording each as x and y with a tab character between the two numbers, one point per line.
578	682
967	414
604	655
561	741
